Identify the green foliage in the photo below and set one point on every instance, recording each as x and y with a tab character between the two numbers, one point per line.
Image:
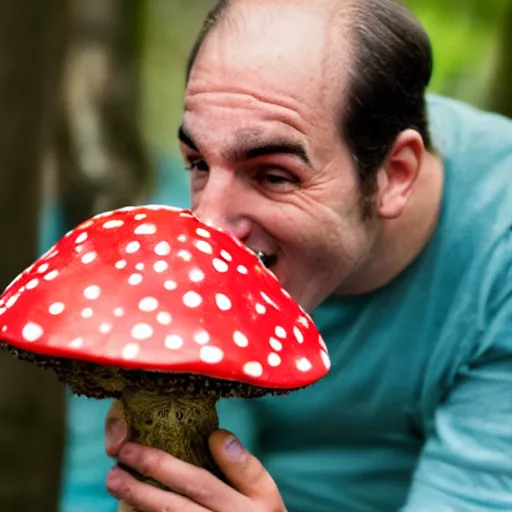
465	36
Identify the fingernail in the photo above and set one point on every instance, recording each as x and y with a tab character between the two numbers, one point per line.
116	432
234	449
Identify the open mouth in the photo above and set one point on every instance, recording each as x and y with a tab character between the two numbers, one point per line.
267	259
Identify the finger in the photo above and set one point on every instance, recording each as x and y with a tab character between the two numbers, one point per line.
242	469
197	484
116	430
144	497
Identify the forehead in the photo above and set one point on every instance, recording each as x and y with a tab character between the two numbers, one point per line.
288	54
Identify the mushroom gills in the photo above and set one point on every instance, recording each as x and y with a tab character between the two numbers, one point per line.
179	425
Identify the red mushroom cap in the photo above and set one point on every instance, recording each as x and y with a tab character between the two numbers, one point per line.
153	288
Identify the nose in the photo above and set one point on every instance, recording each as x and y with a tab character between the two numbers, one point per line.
221	204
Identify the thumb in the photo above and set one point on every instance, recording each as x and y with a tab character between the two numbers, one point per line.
116	430
244	471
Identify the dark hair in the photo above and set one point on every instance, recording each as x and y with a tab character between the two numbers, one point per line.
391	68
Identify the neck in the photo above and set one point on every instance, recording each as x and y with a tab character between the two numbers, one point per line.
402	240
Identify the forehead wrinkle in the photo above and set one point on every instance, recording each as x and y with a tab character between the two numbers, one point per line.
281	109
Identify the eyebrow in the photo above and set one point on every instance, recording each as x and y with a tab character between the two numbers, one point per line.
249	147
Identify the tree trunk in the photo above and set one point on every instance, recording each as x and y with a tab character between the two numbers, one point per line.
32	35
100	155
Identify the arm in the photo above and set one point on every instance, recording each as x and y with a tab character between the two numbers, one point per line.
466	465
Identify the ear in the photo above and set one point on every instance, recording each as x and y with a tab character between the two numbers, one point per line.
396	178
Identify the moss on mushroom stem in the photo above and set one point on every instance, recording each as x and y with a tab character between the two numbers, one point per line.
179	425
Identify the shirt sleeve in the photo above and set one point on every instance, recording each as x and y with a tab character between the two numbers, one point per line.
466	464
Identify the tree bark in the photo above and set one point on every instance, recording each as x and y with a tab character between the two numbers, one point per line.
31	400
101	157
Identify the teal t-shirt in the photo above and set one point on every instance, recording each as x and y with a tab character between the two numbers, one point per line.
416	413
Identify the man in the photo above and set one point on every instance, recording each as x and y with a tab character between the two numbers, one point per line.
305	131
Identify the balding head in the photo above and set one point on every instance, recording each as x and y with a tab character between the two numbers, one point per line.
379	50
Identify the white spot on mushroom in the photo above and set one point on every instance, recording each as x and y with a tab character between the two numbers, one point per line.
87	313
12	300
105	328
118	312
51	275
131	351
268	300
92	292
240	339
140	216
182	238
86	224
170	285
110	224
280	332
163	249
43	268
184	255
164	318
173	342
148	304
76	343
120	264
326	359
160	266
204	246
303	321
203	232
135	279
211	355
80	239
142	331
139	267
196	275
145	229
242	270
273	359
304	365
261	309
32	332
56	308
298	335
276	344
88	257
132	247
226	255
322	343
223	302
201	337
253	369
286	293
192	300
4	328
220	265
79	248
32	284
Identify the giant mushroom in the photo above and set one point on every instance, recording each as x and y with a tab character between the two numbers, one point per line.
151	306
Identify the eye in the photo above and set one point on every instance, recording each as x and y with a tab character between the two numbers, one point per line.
197	165
277	179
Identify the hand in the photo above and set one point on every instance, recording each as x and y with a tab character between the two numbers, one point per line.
193	489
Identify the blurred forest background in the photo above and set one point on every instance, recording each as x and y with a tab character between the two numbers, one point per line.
90	100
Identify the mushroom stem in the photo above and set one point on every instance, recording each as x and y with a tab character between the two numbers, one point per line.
179	425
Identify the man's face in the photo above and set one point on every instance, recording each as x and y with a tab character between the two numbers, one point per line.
267	164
